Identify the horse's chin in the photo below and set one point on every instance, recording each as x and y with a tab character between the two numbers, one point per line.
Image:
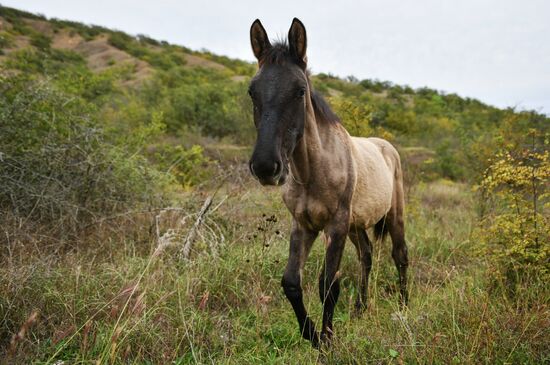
275	181
282	179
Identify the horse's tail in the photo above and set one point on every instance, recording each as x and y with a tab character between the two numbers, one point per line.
381	229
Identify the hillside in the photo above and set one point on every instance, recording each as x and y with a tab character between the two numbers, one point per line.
205	93
111	147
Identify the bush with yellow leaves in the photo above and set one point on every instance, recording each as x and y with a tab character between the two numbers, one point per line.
515	236
356	117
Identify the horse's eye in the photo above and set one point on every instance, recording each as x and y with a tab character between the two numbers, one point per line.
301	93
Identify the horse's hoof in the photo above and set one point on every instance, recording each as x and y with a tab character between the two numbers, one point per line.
326	337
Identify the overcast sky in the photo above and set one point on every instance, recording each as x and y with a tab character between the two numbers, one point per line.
495	50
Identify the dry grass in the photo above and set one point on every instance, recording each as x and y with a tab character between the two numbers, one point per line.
66	39
41	26
196	61
101	55
445	194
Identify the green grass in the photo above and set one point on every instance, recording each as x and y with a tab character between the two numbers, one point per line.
110	300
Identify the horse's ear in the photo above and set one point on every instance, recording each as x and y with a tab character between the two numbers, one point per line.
258	39
297	41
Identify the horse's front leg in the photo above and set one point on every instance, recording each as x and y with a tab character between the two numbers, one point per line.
329	286
301	240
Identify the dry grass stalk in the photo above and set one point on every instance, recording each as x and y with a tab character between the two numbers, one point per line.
204	300
85	336
20	336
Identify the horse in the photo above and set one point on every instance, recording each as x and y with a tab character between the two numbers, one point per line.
332	182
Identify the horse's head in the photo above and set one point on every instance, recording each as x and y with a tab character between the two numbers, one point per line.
279	92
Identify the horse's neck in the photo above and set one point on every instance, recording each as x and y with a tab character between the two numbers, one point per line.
309	158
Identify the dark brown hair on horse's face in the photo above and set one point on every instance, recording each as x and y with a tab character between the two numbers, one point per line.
279	92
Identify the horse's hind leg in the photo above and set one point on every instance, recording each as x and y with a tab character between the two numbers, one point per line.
363	245
396	228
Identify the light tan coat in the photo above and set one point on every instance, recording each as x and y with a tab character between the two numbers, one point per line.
330	169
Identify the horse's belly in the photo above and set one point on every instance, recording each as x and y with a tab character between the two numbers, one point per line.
368	209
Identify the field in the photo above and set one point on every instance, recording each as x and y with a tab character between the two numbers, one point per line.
127	301
132	231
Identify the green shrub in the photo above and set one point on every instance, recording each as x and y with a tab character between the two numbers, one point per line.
15	18
203	99
27	60
41	41
67	56
120	40
448	163
165	59
147	40
354	116
57	164
88	32
14	14
190	166
51	61
6	40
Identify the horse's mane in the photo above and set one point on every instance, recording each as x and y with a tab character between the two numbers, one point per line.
279	54
322	110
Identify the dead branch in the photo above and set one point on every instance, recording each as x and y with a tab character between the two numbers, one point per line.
190	239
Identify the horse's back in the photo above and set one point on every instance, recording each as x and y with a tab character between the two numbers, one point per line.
376	163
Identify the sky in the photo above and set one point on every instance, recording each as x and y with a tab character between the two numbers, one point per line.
497	51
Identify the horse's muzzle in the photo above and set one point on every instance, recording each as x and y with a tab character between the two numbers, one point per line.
268	174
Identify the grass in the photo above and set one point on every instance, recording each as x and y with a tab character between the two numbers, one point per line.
113	301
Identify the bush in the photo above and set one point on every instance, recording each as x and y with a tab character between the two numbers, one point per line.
57	166
51	61
6	40
190	166
354	116
202	99
449	163
27	60
516	236
88	32
41	41
120	40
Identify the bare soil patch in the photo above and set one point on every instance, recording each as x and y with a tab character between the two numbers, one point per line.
196	61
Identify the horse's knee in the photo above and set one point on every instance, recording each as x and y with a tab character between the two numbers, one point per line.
400	254
291	287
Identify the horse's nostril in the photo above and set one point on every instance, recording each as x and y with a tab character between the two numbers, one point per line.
265	170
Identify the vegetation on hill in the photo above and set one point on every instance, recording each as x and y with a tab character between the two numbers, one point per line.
109	145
